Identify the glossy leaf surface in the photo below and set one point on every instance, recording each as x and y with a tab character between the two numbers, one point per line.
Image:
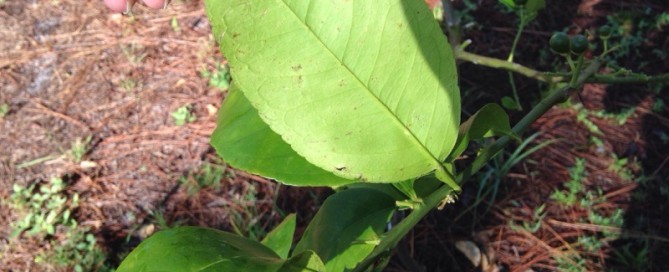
490	120
194	249
199	249
364	89
347	227
306	261
244	141
280	239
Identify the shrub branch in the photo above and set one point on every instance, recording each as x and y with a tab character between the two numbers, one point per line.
556	77
445	191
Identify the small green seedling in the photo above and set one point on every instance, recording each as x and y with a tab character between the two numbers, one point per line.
4	109
183	115
219	78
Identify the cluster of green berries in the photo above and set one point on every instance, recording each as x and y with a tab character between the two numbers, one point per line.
577	44
561	43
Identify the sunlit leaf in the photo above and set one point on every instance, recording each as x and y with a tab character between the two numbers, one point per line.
364	89
306	261
199	249
281	238
347	227
491	120
247	143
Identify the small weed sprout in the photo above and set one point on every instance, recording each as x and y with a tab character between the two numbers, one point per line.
183	115
219	78
574	186
570	263
42	210
174	23
134	52
79	149
4	109
210	175
46	210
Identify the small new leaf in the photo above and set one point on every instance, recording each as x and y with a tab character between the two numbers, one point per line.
281	238
491	120
347	217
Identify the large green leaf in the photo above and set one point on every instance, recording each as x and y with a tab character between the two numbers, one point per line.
281	238
199	249
347	227
247	143
364	89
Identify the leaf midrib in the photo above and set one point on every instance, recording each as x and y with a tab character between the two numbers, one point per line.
378	101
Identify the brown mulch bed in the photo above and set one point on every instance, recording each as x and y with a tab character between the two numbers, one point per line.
70	69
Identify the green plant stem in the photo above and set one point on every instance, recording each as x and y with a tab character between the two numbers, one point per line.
542	107
555	77
452	23
514	91
502	64
402	228
577	71
433	200
521	27
571	62
636	78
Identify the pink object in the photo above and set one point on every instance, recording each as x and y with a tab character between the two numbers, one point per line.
157	4
122	5
116	5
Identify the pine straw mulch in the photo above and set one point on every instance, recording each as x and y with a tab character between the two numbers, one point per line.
496	226
69	70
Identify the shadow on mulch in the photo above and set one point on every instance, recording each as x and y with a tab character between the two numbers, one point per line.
644	245
553	239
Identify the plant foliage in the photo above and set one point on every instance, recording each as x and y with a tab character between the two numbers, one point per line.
349	95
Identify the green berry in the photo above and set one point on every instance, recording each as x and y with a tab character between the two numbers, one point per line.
579	44
520	2
560	43
604	32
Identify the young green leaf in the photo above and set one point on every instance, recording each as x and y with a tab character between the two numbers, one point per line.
347	227
406	187
351	85
529	5
509	103
533	6
200	249
490	120
306	261
281	238
247	143
426	185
